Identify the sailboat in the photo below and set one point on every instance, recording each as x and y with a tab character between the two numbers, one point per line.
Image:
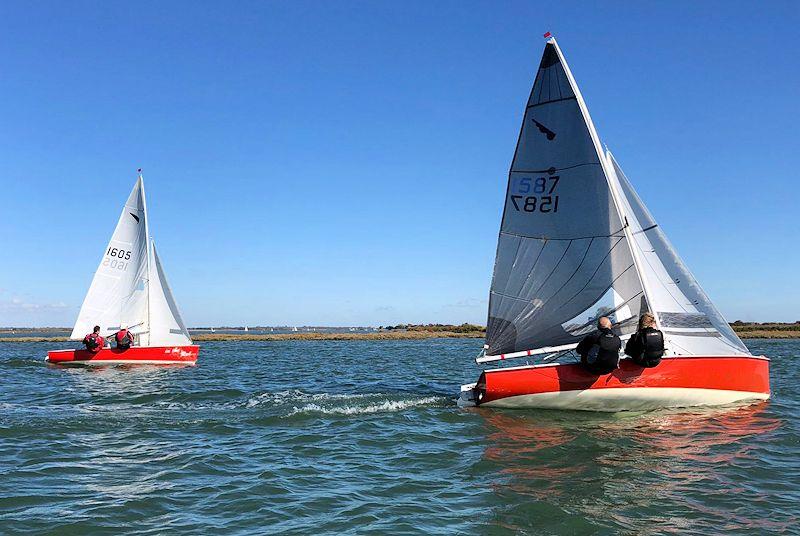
576	243
130	288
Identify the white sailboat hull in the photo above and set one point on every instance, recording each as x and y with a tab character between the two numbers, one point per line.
613	400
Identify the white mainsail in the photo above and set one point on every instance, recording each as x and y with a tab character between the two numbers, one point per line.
129	286
570	247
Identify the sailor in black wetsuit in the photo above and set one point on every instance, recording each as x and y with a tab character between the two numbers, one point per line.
600	351
647	345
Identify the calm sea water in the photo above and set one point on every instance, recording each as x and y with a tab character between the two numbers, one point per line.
364	437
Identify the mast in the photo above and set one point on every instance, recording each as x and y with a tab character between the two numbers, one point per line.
607	170
149	251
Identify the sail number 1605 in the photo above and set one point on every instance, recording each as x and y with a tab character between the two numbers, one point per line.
535	195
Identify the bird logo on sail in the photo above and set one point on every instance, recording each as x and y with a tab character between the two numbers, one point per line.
135	217
544	130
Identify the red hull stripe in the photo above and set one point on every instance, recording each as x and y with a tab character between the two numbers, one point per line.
750	374
166	354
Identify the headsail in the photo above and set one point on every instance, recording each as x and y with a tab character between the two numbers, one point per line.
166	325
130	287
563	257
690	322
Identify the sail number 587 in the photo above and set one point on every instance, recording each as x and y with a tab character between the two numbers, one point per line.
542	199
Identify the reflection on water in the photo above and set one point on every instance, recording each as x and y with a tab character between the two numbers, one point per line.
623	467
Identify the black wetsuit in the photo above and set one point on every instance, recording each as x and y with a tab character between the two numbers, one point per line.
646	347
600	351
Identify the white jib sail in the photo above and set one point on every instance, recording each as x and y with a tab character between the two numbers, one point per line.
166	325
129	286
689	320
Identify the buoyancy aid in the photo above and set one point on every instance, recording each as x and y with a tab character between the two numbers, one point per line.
652	341
94	342
123	338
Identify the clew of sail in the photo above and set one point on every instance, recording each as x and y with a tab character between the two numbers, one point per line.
563	257
130	287
118	293
689	320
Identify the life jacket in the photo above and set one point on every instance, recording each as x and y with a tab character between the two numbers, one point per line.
93	342
123	338
603	355
652	341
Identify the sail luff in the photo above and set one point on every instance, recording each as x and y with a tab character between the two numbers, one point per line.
608	169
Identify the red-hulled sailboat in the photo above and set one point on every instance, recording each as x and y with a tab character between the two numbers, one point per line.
130	289
576	243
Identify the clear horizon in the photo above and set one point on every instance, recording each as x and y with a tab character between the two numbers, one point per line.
319	164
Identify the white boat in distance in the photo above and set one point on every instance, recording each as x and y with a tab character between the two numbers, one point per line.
576	242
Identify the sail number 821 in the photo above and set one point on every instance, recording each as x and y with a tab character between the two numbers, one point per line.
535	195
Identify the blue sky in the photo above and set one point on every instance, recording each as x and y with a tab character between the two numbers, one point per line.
344	163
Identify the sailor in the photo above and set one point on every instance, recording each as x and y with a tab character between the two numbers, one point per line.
600	351
647	345
123	337
93	341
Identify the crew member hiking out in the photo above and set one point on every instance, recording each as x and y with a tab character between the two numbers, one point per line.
599	351
647	345
93	341
123	338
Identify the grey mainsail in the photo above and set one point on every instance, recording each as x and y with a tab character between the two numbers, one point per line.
576	242
563	257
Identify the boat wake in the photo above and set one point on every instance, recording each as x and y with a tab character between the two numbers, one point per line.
371	406
297	402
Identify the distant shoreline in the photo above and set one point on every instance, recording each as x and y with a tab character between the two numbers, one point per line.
745	330
375	336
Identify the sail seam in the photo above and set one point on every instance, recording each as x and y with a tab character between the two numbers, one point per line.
550	101
555	267
516	258
599	265
554	169
564	285
626	302
533	266
615	234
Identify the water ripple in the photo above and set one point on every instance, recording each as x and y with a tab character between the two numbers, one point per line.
352	437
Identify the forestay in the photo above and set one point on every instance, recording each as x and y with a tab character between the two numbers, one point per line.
563	257
689	320
129	286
